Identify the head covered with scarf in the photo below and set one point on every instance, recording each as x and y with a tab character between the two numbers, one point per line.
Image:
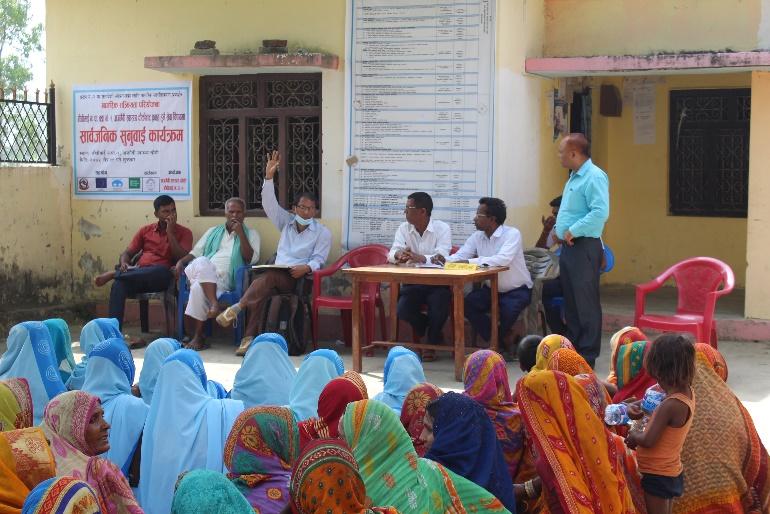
631	376
92	333
25	461
266	373
413	412
393	473
486	380
259	453
402	371
182	410
16	409
66	422
62	344
547	346
318	368
154	356
205	490
624	336
109	376
64	495
326	462
337	394
568	361
30	355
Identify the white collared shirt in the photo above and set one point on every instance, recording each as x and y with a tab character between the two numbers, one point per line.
221	259
311	246
436	239
502	249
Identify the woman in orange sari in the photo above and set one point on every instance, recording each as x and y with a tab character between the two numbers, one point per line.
577	458
722	474
16	409
25	461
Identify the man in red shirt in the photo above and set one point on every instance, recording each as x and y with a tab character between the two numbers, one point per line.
161	244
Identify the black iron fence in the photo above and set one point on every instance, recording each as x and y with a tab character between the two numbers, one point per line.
28	127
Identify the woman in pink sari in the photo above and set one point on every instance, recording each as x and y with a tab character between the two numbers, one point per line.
74	424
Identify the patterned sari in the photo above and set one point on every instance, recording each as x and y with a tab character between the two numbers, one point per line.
722	474
354	377
204	490
547	346
624	336
630	376
62	345
331	406
25	461
65	422
578	459
329	461
64	495
259	452
16	410
569	362
413	412
393	473
714	358
486	381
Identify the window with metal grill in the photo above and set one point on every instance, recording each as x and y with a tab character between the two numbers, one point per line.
242	119
709	152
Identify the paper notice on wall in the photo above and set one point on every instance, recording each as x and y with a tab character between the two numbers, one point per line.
644	114
131	141
420	96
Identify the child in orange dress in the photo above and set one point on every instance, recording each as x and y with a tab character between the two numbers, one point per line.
670	361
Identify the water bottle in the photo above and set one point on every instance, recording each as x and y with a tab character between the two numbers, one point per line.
653	397
616	414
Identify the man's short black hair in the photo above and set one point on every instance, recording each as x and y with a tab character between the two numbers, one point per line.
161	201
556	202
307	195
422	201
527	351
495	207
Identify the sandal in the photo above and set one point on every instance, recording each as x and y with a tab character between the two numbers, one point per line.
229	315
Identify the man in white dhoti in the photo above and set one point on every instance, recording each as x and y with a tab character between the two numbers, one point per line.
213	262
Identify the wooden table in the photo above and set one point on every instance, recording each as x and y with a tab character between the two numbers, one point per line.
400	274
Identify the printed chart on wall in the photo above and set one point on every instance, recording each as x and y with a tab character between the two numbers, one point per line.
131	141
419	112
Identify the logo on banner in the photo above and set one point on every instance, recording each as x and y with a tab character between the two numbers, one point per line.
151	184
101	183
134	183
83	184
117	183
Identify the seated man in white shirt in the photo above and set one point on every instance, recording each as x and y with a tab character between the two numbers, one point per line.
417	240
304	246
494	244
213	262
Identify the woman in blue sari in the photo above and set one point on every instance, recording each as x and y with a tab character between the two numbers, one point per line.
62	344
318	368
109	376
93	332
154	356
31	355
266	373
186	429
464	440
402	372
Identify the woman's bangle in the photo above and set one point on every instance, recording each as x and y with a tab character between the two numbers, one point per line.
529	487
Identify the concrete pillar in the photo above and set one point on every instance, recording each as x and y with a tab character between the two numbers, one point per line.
758	242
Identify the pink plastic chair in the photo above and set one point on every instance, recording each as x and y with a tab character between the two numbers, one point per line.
367	255
698	283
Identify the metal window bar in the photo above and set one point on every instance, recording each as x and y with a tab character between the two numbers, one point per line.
28	128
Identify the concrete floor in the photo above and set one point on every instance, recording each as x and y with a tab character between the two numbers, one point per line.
748	363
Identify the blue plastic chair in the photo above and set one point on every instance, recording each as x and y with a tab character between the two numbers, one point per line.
609	263
228	297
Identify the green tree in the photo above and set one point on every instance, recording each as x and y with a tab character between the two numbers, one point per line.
18	38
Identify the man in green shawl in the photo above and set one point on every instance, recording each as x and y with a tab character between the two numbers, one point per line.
212	263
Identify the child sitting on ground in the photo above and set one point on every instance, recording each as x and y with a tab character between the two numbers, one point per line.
670	361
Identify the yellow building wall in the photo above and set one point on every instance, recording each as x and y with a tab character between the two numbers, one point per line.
758	247
631	27
35	251
645	238
103	42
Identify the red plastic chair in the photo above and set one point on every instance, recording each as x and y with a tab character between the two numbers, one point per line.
697	281
367	255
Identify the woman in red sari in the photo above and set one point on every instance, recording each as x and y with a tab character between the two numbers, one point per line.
336	395
413	412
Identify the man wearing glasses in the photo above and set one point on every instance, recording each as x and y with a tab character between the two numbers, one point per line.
494	244
417	241
304	246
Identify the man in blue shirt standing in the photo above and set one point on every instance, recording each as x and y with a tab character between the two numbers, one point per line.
585	207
